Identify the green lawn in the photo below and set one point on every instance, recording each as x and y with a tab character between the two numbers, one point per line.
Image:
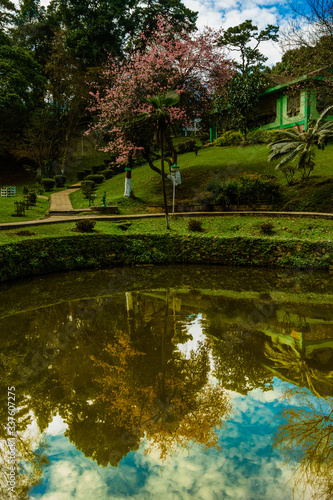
284	228
219	163
7	209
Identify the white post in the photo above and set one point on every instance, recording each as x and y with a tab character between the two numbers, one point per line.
174	193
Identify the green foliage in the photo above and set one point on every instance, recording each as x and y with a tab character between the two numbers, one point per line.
229	138
195	225
81	174
60	180
296	147
97	179
260	136
32	197
107	173
44	255
245	38
87	188
48	183
267	227
186	147
244	189
97	168
85	225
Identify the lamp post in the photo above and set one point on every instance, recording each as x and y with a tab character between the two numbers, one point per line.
176	180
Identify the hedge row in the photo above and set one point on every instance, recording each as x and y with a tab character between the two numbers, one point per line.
43	256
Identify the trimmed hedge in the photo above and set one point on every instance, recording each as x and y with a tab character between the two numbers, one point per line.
48	255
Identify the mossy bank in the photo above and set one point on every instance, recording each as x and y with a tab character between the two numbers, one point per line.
48	255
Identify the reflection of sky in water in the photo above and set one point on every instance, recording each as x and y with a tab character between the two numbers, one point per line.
246	469
194	329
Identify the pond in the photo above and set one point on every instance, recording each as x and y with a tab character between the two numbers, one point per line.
167	383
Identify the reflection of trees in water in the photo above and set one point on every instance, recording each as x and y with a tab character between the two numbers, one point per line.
238	360
305	439
292	363
118	376
28	461
164	396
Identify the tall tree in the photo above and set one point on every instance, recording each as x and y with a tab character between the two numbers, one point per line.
159	104
94	29
21	91
312	21
245	39
190	65
7	14
248	82
145	19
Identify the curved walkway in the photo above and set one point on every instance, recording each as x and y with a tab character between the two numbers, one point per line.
54	219
61	210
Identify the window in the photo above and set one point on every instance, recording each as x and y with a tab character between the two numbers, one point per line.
293	105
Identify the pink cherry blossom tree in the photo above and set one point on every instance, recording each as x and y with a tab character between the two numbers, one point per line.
191	65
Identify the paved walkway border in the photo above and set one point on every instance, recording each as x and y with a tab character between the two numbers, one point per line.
115	218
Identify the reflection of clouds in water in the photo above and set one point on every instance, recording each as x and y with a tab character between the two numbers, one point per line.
57	426
245	469
195	330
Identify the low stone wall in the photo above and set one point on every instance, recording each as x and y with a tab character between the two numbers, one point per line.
43	256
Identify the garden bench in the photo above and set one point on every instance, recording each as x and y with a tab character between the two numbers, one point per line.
8	191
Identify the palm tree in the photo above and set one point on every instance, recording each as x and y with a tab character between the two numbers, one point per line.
159	103
294	145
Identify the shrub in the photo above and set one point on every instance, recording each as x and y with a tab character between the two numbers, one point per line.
246	188
186	147
195	225
97	168
260	136
108	173
230	138
85	225
267	227
60	180
25	189
32	198
97	179
81	174
87	188
48	184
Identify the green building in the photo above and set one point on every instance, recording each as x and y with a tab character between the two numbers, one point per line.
290	103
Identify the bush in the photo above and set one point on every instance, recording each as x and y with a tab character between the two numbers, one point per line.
85	225
87	188
260	136
60	180
32	198
267	227
186	147
81	174
246	188
230	138
108	173
48	184
97	179
25	189
195	225
97	168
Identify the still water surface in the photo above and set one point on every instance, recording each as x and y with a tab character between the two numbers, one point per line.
170	383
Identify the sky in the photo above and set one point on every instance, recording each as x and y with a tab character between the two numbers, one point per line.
227	13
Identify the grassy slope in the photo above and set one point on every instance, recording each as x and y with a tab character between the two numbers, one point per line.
220	163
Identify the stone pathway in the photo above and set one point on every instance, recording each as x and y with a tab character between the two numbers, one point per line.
114	218
61	203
